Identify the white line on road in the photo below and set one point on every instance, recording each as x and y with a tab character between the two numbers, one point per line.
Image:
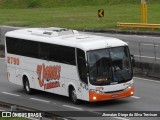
10	94
40	100
147	44
77	108
136	97
146	57
147	79
121	118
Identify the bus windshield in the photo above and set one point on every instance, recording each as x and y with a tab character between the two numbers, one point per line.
109	66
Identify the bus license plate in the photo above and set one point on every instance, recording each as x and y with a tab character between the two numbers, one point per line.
114	95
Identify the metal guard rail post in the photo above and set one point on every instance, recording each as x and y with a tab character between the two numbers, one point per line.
138	25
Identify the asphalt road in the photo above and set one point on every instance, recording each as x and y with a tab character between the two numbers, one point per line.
146	98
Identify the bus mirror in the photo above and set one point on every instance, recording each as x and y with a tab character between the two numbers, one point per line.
133	61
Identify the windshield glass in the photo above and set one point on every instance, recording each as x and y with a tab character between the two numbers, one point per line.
109	66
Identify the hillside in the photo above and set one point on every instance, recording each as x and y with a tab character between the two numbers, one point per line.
75	14
48	3
60	3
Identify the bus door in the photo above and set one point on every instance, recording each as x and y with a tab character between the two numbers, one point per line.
82	70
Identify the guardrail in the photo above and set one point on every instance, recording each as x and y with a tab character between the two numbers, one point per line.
138	25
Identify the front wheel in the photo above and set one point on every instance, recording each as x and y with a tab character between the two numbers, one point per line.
27	87
73	96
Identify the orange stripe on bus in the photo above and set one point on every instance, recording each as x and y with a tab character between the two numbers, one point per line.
93	97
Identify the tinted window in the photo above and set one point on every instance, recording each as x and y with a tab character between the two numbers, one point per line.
63	54
51	52
22	47
82	65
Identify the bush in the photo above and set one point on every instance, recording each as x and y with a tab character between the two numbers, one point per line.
33	3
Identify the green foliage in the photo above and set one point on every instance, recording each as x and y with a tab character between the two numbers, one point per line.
33	4
67	3
48	3
75	14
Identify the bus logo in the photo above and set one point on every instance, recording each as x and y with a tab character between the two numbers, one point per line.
48	76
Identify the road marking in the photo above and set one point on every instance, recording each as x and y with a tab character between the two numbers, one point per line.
10	94
54	103
147	57
147	79
136	97
77	108
2	110
121	118
40	100
147	44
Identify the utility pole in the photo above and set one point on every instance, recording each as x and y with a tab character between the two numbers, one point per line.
143	11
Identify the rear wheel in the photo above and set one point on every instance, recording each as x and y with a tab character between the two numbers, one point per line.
27	86
73	96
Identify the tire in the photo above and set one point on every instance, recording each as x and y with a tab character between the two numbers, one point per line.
27	88
73	96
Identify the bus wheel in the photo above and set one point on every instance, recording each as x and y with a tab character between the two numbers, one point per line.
27	86
73	96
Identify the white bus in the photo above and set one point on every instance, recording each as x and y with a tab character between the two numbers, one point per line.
61	61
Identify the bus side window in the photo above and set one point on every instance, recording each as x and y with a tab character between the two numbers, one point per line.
44	51
81	62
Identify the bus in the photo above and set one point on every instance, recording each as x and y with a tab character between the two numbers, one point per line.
66	62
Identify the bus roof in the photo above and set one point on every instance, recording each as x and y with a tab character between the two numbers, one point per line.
65	37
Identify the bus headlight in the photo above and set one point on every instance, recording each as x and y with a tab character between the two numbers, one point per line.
128	87
94	98
97	91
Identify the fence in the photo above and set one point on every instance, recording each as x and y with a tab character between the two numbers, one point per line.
138	25
147	56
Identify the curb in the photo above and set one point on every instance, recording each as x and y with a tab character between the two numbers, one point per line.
127	32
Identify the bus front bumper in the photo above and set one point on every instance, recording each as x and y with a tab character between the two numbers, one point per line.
93	96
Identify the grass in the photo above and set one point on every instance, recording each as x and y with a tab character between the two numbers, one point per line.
60	3
76	16
48	3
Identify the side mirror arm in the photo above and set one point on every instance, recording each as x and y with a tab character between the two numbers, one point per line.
133	61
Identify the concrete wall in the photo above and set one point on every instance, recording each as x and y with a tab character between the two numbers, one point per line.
147	56
3	30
